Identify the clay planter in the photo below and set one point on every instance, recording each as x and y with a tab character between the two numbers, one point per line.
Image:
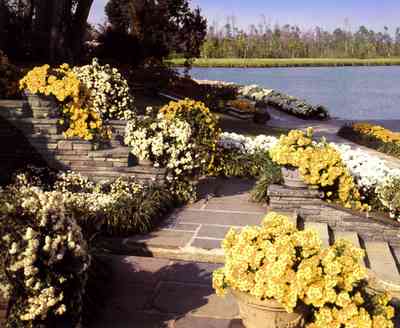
268	313
291	178
42	106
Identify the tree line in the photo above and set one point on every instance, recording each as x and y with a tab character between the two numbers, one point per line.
289	41
136	31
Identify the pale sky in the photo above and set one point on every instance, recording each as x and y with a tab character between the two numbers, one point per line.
327	14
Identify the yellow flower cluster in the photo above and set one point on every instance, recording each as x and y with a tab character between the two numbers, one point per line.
84	123
203	123
242	104
319	164
63	83
275	260
378	132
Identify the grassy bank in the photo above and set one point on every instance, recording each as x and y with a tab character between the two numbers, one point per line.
287	62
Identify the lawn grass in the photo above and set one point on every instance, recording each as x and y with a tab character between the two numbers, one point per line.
286	62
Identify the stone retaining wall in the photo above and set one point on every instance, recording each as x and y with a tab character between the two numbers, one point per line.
3	311
26	140
309	206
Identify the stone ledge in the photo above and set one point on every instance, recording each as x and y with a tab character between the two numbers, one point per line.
287	192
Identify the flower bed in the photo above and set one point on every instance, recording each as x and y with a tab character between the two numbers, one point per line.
351	177
87	96
243	105
47	221
288	104
276	261
373	136
377	182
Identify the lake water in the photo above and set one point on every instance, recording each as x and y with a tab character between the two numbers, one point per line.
357	93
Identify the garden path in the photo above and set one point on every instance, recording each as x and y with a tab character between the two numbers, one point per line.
148	292
171	286
194	232
329	130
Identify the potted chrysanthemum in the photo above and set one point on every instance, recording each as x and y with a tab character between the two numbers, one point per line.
282	277
287	153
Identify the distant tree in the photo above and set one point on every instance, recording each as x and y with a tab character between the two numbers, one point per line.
140	29
289	41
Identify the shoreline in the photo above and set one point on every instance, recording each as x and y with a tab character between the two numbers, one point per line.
283	63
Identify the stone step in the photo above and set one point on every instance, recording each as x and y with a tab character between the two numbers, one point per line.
348	235
322	229
382	262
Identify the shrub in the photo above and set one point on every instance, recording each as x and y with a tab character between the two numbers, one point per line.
388	193
181	138
44	258
276	261
9	77
109	92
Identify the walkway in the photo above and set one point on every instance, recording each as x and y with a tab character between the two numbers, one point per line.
159	293
329	130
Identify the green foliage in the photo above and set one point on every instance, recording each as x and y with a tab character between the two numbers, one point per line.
270	175
286	62
141	213
389	195
44	258
9	81
152	29
390	148
289	41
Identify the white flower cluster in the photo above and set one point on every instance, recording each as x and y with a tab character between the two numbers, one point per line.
50	240
246	145
373	176
109	91
389	194
367	170
254	92
166	142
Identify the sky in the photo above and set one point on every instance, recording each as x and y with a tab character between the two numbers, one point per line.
327	14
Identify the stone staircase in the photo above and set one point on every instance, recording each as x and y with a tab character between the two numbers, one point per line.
381	259
195	232
26	138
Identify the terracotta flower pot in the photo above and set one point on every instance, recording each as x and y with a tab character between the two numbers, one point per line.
268	313
292	178
42	106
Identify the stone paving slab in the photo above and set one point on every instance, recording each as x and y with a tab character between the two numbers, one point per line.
229	218
171	294
199	322
164	238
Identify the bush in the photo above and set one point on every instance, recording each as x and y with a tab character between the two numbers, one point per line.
182	138
389	195
44	258
9	78
382	142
